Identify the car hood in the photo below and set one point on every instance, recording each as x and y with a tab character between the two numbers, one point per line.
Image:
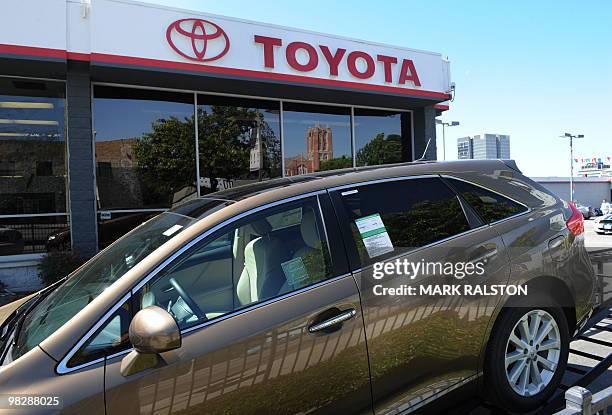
8	309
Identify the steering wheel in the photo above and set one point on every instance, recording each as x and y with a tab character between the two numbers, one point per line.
192	304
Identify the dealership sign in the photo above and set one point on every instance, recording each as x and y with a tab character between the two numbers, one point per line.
125	33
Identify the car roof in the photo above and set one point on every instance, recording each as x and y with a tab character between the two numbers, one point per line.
275	189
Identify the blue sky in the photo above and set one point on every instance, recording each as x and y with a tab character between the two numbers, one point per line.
533	70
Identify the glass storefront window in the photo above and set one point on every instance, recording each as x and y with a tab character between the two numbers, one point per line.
145	148
239	141
316	138
380	136
32	164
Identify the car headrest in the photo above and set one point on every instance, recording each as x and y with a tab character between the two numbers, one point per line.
261	226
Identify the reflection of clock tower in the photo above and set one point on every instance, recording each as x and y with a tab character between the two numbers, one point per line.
320	145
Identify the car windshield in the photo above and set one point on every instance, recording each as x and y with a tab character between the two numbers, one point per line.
96	276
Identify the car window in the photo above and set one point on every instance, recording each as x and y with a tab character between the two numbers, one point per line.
490	206
262	256
111	338
394	217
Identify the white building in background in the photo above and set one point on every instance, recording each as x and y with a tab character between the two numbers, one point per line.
484	146
594	166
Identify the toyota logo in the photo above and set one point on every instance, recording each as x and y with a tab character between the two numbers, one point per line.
197	39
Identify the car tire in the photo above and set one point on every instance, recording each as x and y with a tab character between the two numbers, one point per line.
498	378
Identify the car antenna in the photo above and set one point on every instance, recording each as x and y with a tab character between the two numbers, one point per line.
424	152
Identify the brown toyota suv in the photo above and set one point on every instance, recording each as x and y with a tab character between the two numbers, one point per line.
374	290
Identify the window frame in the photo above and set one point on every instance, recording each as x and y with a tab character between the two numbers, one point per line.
208	235
355	262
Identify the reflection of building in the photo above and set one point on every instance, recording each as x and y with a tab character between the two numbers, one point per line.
594	167
319	147
32	176
116	169
485	146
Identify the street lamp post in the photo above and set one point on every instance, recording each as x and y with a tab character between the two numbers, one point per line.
445	124
571	141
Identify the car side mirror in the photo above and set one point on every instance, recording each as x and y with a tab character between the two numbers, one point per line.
152	331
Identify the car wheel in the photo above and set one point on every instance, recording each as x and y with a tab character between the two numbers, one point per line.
526	357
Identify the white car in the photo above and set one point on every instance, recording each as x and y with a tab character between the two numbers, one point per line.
604	225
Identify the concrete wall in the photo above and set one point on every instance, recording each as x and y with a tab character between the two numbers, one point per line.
587	193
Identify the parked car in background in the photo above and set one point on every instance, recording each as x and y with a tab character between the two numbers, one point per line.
265	299
108	231
604	225
587	211
11	241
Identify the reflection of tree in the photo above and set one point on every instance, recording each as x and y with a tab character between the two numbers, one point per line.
336	163
165	159
489	207
381	150
424	223
226	136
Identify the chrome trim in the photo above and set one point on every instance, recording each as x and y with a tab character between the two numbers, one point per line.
122	352
62	366
324	226
264	303
344	316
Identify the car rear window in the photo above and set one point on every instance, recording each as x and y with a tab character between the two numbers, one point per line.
490	206
394	217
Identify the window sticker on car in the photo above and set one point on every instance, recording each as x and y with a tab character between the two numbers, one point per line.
285	219
295	272
374	235
172	230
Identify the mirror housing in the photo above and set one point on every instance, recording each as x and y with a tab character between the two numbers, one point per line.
152	331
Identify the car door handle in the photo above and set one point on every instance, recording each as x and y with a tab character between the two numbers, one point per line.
337	319
486	256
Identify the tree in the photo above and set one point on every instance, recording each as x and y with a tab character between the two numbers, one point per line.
336	163
381	150
165	159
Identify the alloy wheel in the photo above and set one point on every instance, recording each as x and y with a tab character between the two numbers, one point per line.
532	353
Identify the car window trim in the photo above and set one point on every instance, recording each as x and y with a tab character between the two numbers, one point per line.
62	366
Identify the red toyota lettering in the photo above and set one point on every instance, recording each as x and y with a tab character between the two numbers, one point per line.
333	60
408	73
387	61
313	58
352	64
268	48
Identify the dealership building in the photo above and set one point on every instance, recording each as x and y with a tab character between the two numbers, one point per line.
112	111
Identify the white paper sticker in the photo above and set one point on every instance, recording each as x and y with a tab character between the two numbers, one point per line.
295	272
172	230
374	235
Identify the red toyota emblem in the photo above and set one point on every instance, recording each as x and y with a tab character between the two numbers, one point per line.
197	39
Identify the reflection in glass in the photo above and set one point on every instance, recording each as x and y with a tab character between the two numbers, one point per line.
34	234
32	147
316	138
239	141
380	136
145	148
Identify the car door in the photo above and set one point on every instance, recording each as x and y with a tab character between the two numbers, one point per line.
423	343
289	339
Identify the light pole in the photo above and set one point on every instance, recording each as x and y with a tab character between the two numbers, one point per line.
571	140
445	124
